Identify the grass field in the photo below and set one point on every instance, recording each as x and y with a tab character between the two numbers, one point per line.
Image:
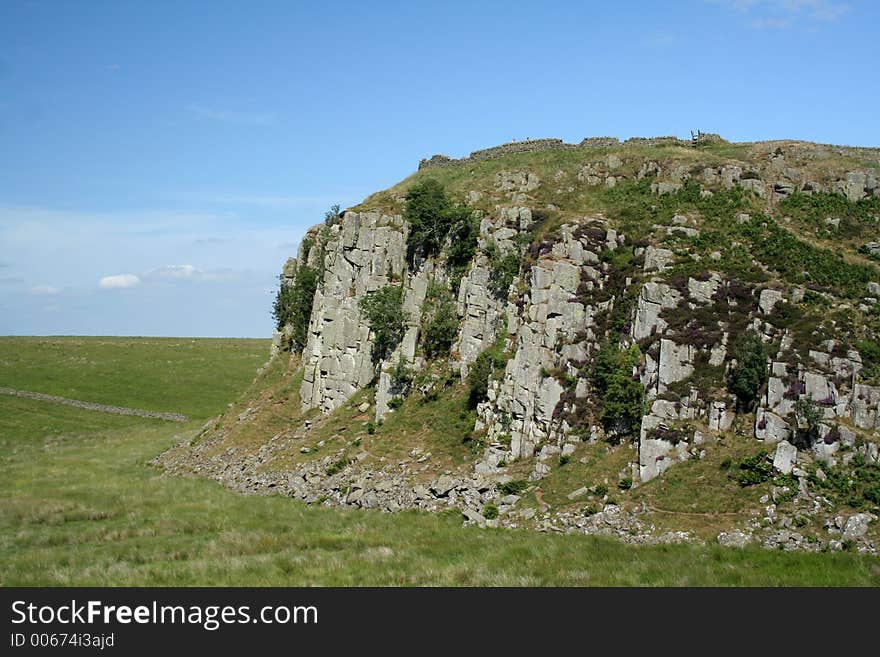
82	507
179	375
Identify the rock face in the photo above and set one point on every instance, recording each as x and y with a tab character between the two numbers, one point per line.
483	312
362	255
674	298
522	405
653	300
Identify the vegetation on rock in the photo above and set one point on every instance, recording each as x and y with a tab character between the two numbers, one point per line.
439	321
433	217
622	394
383	310
293	306
749	373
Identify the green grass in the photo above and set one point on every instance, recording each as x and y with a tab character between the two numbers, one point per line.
83	507
88	511
182	375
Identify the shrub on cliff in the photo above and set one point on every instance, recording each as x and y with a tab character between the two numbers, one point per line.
622	397
623	404
487	363
750	371
505	267
433	216
384	313
439	321
293	306
462	243
333	216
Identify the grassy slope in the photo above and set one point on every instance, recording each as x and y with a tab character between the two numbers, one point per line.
82	507
183	375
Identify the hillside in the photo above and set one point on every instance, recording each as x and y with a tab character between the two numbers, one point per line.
659	340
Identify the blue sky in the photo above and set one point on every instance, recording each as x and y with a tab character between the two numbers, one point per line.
159	161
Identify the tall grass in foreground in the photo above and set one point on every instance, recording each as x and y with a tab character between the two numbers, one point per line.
86	510
82	507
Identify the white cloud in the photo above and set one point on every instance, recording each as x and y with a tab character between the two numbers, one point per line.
43	289
175	271
118	281
212	241
84	253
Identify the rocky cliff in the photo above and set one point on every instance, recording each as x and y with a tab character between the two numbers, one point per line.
670	302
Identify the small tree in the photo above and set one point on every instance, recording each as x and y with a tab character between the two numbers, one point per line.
433	217
505	267
439	321
333	215
463	237
623	396
808	415
748	375
605	364
293	306
427	211
486	364
384	312
401	376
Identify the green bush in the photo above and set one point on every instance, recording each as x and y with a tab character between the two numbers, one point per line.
625	484
856	486
801	262
623	405
809	415
384	313
857	218
513	487
333	215
754	470
293	305
439	321
622	396
401	375
490	511
605	365
433	217
487	363
462	242
601	490
564	460
504	266
395	402
337	466
748	375
869	350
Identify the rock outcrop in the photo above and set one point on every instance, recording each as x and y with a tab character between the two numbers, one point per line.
678	287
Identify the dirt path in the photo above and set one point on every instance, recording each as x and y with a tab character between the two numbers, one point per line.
90	406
